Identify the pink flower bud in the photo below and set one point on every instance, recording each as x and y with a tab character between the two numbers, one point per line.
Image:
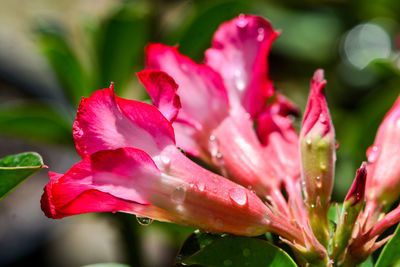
317	141
357	190
383	183
317	149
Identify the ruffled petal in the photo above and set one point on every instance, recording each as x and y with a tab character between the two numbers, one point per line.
162	90
239	53
110	180
105	121
201	90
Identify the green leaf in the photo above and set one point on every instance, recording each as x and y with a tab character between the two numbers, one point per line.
107	265
16	168
120	43
367	263
54	45
35	121
240	251
390	254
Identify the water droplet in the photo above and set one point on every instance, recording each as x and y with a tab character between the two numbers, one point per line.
318	178
322	166
246	252
308	141
372	153
184	67
227	262
213	145
179	194
249	187
219	155
238	196
239	80
322	118
312	206
242	22
166	161
261	34
144	220
201	186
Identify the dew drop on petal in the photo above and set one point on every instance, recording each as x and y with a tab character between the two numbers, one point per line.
322	166
184	67
201	186
213	146
239	80
144	220
372	154
242	22
261	34
179	194
238	196
308	141
322	118
166	161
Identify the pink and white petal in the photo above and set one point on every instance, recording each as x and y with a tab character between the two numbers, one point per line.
239	53
201	90
162	90
105	121
186	136
125	174
280	139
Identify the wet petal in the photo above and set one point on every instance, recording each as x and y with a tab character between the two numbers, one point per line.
239	53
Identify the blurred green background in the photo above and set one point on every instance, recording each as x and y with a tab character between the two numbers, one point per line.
54	52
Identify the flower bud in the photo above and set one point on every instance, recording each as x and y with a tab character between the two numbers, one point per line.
317	148
352	206
383	184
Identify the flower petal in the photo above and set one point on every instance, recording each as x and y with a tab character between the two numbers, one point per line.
162	90
201	90
127	179
105	121
383	182
317	113
108	180
239	53
281	142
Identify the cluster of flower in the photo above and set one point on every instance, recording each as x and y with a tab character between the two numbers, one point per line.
227	114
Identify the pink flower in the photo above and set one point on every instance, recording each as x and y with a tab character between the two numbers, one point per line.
383	183
130	164
223	98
